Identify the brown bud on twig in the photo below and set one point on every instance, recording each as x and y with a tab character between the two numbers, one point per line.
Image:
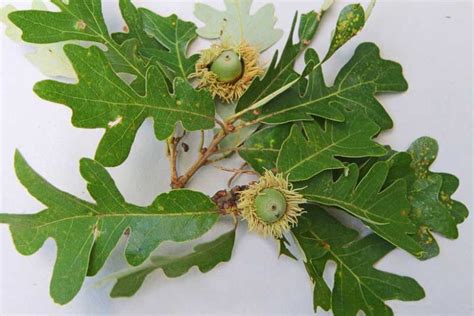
227	201
185	147
230	127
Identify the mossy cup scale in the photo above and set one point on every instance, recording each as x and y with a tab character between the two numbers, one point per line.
227	66
270	205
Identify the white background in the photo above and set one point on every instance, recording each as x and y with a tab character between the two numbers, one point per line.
433	42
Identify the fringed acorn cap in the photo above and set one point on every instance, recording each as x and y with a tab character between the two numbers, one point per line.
271	206
227	71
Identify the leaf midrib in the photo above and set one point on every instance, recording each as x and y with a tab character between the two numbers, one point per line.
175	43
121	215
351	207
341	262
139	105
318	153
314	101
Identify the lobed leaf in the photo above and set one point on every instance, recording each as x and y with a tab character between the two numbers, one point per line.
102	100
175	35
431	207
205	256
365	75
424	152
78	20
313	148
358	286
281	75
86	233
135	29
384	210
236	25
135	45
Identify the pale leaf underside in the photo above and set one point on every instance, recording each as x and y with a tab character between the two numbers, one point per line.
205	256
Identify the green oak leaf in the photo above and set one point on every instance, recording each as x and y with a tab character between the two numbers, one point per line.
424	152
137	46
358	286
48	58
450	185
236	25
135	30
86	233
365	75
384	210
175	35
429	193
129	48
102	100
261	149
79	20
283	244
313	148
280	75
205	256
350	22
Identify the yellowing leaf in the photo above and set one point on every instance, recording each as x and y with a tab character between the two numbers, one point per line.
350	22
432	209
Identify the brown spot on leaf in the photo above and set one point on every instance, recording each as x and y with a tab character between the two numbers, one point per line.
185	147
326	245
81	25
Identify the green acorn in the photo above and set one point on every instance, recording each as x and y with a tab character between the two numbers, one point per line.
227	72
227	66
270	205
